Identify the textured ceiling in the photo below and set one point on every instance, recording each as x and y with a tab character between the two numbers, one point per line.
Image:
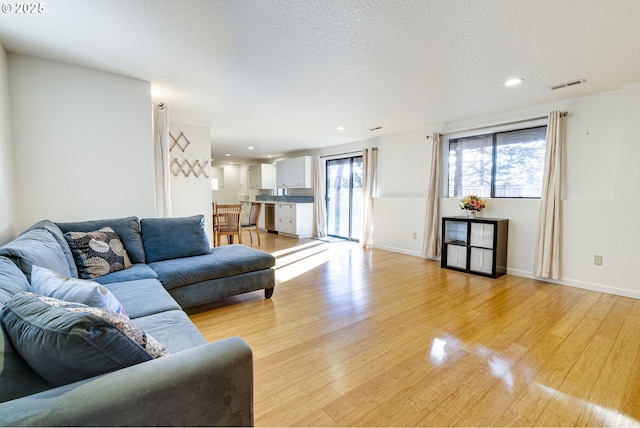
281	75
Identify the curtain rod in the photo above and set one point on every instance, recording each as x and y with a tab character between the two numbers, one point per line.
515	122
342	154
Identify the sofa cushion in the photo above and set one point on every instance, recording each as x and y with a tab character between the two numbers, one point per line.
225	261
36	247
135	272
55	231
90	293
16	377
97	253
143	297
173	329
172	238
65	342
127	229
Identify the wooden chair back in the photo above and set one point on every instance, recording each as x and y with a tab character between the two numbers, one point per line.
228	221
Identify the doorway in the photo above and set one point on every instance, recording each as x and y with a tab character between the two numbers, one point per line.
344	197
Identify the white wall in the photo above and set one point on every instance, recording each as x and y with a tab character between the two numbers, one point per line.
235	182
7	195
191	195
82	143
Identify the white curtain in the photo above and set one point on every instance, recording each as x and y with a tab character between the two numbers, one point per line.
431	242
319	206
547	258
369	170
162	161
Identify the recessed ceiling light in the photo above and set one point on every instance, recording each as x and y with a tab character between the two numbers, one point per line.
227	154
269	156
340	128
250	147
514	82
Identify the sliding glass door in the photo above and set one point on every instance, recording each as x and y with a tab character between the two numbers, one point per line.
344	197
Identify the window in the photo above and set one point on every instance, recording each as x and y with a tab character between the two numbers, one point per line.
499	165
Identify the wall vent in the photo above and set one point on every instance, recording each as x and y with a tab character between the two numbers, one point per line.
377	128
567	84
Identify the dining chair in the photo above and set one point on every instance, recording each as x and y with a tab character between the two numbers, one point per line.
228	222
254	215
214	221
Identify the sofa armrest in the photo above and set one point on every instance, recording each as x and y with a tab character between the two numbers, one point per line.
208	385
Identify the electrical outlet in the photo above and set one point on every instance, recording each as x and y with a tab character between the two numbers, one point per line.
597	260
415	235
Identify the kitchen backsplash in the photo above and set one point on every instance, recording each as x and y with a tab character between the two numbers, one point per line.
288	198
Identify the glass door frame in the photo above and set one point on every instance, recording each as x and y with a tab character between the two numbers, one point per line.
350	159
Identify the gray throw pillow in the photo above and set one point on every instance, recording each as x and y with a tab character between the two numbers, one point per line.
173	238
66	342
97	253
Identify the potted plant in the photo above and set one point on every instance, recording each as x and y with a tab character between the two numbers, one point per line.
472	204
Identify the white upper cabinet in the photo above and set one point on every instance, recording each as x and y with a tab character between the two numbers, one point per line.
294	173
262	176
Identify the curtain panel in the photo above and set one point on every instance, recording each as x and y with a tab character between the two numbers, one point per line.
162	160
547	256
431	241
319	206
369	176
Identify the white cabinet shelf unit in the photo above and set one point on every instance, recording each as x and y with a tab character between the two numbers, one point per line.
295	220
294	173
262	176
477	246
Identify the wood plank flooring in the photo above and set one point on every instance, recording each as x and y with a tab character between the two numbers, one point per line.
355	337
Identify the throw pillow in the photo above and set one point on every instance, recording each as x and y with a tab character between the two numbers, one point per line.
48	283
36	247
97	253
173	238
66	342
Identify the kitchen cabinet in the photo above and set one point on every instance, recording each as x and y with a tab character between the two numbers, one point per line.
294	173
262	176
477	246
295	220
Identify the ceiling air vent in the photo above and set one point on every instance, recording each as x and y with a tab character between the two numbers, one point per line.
377	128
567	84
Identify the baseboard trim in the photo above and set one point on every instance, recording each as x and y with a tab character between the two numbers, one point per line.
397	250
585	285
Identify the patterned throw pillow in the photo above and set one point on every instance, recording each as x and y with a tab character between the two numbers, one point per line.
123	323
97	253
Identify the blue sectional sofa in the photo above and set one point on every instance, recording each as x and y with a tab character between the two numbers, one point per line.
63	362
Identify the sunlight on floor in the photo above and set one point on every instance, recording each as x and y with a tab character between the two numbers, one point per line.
302	259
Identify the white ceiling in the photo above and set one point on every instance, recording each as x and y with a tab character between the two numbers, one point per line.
281	75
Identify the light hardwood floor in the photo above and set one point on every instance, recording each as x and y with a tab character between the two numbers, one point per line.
355	337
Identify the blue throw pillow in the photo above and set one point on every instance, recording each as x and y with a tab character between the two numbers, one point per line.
97	253
36	247
90	293
172	238
66	342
